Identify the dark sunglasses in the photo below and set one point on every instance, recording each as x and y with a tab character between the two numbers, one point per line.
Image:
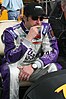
36	18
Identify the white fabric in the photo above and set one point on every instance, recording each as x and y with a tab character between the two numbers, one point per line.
14	81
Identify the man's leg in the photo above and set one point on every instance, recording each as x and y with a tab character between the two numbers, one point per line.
14	81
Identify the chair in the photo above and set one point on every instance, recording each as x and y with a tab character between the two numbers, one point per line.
4	15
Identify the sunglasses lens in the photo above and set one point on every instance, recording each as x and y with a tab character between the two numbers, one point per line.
41	18
36	18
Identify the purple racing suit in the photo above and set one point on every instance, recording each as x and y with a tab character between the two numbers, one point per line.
43	51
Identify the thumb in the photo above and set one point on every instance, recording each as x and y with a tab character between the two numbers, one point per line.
20	67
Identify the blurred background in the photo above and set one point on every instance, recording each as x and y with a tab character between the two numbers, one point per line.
48	6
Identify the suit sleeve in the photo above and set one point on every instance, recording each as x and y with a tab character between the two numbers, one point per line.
13	53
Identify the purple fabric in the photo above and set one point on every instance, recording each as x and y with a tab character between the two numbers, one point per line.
6	80
59	67
47	28
10	54
53	55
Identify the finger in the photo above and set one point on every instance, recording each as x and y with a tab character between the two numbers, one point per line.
21	76
26	77
21	67
38	26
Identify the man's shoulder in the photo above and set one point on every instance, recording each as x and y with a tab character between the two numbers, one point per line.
11	30
14	27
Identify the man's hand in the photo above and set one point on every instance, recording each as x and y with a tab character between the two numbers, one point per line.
25	72
32	33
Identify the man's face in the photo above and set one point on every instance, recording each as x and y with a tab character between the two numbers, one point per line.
64	9
32	21
63	6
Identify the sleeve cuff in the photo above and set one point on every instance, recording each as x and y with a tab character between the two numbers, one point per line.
39	63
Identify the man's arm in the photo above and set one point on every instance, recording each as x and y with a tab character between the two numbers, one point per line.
50	49
13	53
51	56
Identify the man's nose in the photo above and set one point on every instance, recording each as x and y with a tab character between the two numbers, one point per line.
38	21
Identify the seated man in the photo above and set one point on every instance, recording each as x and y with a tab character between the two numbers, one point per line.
59	28
30	51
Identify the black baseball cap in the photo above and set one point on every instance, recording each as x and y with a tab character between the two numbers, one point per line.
33	9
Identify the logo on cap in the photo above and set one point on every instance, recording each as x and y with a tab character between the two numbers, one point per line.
38	7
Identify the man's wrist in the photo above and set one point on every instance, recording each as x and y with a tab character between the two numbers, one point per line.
34	66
